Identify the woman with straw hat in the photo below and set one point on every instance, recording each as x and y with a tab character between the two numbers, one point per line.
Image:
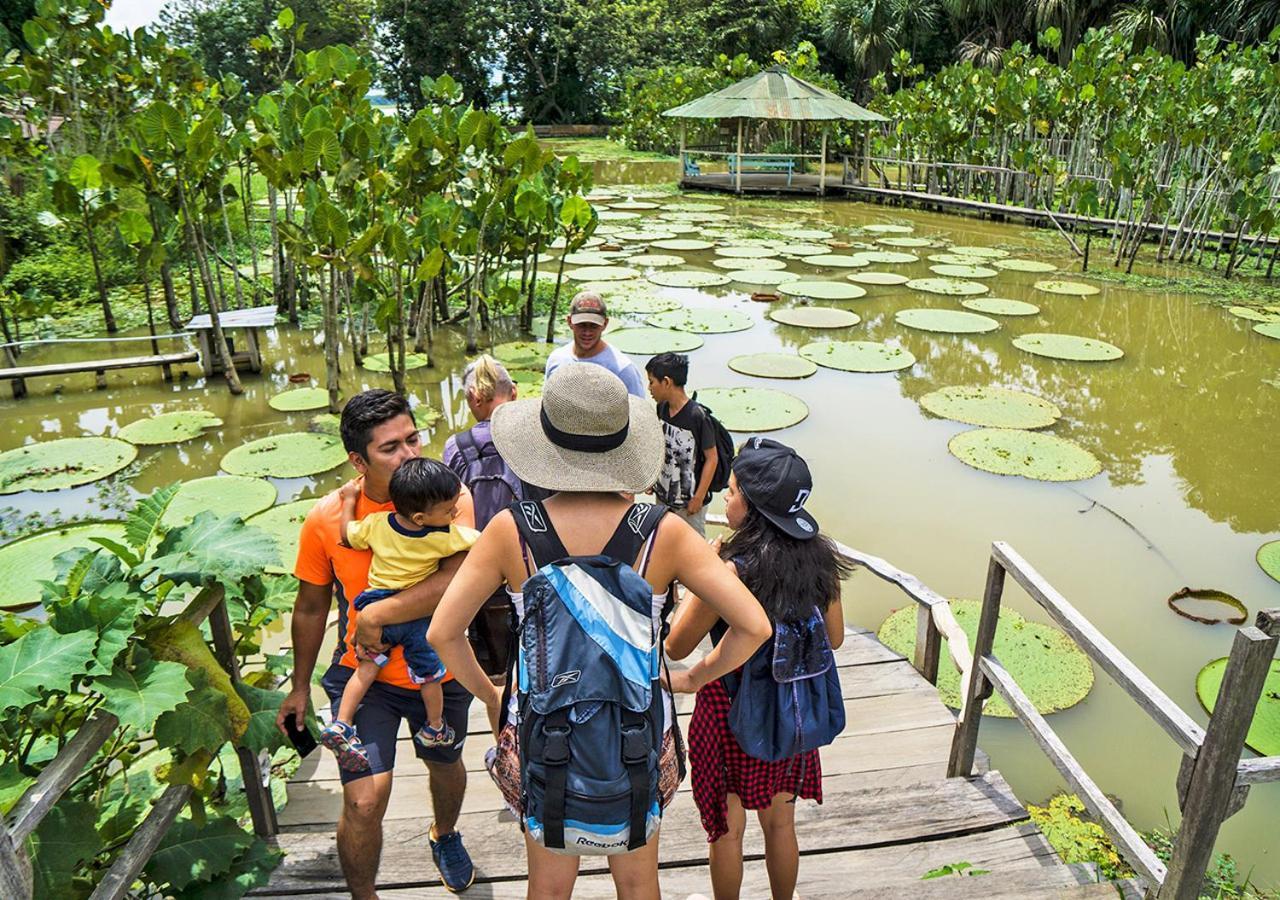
590	442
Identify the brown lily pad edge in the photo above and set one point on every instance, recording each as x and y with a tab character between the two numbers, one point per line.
1214	596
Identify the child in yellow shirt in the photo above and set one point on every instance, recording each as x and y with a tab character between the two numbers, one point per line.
408	544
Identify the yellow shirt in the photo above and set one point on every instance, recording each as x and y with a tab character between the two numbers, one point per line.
402	558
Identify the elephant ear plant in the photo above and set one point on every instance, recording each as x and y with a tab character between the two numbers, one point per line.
116	637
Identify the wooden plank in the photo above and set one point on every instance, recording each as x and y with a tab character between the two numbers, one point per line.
254	317
1214	777
848	818
1257	771
1166	713
1131	845
119	878
99	365
57	776
974	689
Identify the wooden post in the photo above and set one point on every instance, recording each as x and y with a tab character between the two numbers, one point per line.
255	356
680	175
965	742
207	360
822	165
737	182
1213	778
11	361
866	154
928	644
15	869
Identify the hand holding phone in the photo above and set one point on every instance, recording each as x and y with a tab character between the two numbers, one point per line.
299	735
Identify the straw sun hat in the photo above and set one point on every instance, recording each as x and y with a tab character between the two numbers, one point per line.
586	433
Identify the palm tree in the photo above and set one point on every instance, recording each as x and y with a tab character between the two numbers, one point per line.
869	32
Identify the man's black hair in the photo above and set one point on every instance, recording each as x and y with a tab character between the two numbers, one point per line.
669	365
365	412
419	484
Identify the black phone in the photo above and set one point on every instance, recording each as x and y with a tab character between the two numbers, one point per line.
299	735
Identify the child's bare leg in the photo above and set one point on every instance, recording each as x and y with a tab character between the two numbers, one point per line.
358	685
433	700
726	853
781	849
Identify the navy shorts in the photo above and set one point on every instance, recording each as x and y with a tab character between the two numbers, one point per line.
384	706
423	661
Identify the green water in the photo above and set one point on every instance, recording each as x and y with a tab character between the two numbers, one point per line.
1185	425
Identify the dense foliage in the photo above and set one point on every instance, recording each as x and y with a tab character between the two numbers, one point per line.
111	643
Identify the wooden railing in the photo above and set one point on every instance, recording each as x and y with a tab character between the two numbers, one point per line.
69	764
1213	781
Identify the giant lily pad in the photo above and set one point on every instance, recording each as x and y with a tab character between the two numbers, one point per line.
886	257
951	270
657	260
1269	558
951	287
292	455
1045	662
523	354
1252	314
806	234
644	236
682	245
300	399
823	290
1068	288
877	278
991	407
62	463
758	265
804	249
609	215
1268	329
815	317
1264	733
858	356
1031	454
768	277
883	228
955	259
26	562
284	523
999	306
904	242
1208	606
753	409
381	362
603	273
982	252
950	321
590	258
1067	346
633	204
639	302
1024	265
528	382
701	321
836	261
651	341
773	365
692	206
222	495
170	427
689	279
746	252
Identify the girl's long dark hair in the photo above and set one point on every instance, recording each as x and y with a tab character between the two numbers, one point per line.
789	577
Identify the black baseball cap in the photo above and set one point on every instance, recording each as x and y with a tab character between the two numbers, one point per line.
776	481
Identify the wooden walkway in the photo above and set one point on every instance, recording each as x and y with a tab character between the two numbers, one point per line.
890	815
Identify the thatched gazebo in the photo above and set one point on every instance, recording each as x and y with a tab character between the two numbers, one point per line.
777	95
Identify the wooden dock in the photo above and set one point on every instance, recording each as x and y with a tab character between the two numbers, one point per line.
890	815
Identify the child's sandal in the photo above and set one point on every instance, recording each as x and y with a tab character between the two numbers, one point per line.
345	743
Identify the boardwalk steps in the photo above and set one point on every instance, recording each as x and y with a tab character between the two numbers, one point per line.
889	815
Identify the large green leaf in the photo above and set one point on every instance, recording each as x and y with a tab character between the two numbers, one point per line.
64	462
144	519
160	125
111	616
250	870
42	660
85	173
213	547
201	722
139	696
65	839
1264	731
330	225
262	733
321	147
13	784
27	562
195	852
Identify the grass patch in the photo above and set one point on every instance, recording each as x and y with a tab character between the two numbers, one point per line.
601	150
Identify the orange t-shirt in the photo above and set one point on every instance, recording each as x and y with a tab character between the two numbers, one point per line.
323	560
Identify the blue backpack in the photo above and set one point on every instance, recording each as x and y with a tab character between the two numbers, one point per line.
588	690
787	699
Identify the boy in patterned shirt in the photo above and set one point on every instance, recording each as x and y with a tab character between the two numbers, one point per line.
684	481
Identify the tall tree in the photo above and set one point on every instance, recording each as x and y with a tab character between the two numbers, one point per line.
426	38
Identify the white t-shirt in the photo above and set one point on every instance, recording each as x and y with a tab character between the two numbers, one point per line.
611	359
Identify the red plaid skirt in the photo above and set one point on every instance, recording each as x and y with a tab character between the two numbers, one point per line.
718	767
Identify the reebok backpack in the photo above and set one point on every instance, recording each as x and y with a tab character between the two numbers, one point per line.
787	700
589	697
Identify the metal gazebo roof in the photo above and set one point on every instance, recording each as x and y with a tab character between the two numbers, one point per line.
774	94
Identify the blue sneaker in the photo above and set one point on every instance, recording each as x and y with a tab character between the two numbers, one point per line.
453	861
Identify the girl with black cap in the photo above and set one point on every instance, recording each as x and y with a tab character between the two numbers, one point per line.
793	570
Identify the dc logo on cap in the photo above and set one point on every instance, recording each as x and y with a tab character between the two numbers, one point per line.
801	496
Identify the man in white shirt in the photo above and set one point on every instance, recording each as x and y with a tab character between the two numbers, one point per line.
587	319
